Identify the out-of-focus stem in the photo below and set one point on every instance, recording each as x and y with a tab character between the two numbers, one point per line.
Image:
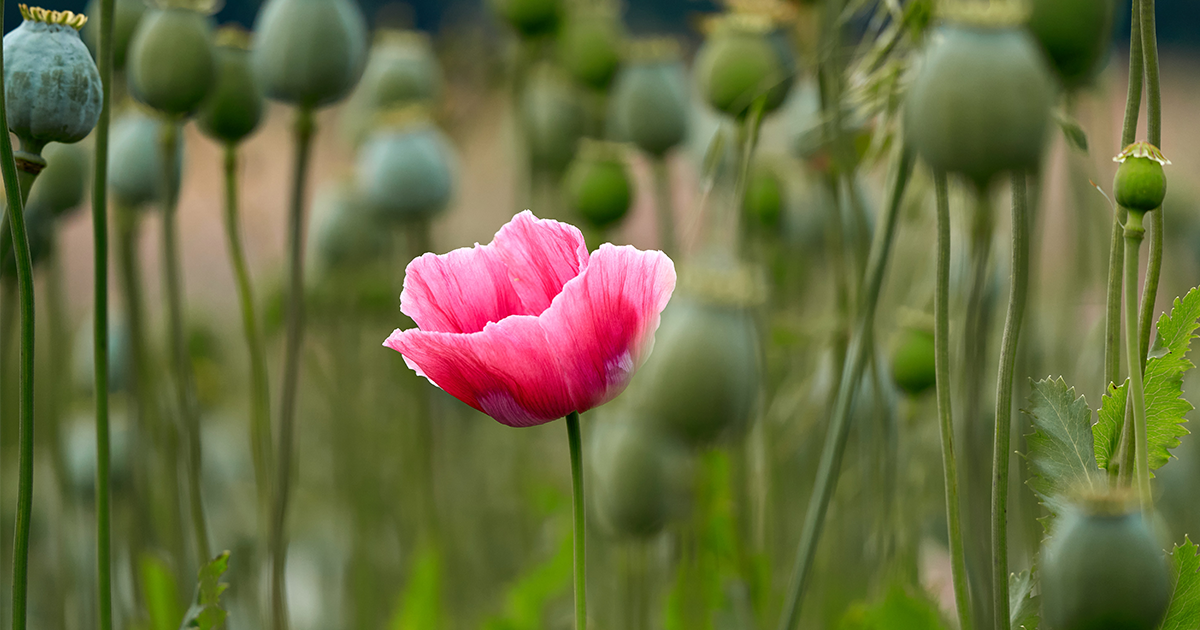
664	208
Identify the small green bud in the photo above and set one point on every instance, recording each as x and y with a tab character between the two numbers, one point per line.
1140	183
598	186
743	59
589	48
913	362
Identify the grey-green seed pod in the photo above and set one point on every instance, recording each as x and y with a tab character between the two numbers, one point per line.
172	66
742	60
128	15
639	479
405	171
346	238
401	69
39	229
309	53
234	109
51	84
135	160
61	187
554	119
531	18
650	98
589	47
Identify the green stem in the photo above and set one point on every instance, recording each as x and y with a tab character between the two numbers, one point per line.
1133	242
1004	387
573	439
941	338
665	208
260	410
303	130
1154	135
839	427
1154	261
185	393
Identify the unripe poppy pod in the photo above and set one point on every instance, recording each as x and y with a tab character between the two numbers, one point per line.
1075	34
1102	569
135	160
764	199
553	119
531	18
401	70
980	102
589	47
234	109
405	169
51	85
345	238
61	187
309	53
127	15
172	67
639	477
39	230
1140	183
650	97
598	186
744	59
913	361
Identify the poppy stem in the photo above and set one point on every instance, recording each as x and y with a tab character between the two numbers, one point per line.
1154	136
665	208
839	425
573	439
1134	233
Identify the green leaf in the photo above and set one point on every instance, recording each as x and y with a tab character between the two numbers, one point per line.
1062	453
206	613
1072	131
159	592
1165	407
899	610
420	606
1184	611
1107	430
1025	605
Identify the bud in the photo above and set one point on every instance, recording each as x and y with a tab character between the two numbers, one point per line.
589	48
234	109
743	59
1075	35
913	361
1140	183
309	53
597	183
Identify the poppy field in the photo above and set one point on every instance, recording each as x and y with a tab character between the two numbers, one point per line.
591	314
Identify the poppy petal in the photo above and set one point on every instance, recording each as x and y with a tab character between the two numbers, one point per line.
459	292
542	255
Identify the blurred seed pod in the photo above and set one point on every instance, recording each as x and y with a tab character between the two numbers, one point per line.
702	381
1140	183
126	15
980	102
62	186
39	230
1102	568
650	97
530	18
1075	34
589	48
598	186
309	53
553	117
401	69
83	367
913	366
744	58
405	169
234	109
640	479
171	65
52	88
135	159
79	453
763	202
346	237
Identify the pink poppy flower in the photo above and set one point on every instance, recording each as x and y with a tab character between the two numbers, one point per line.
530	327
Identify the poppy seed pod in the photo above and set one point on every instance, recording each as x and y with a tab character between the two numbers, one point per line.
171	63
401	69
309	53
345	237
765	192
531	18
639	478
598	186
1102	569
1075	35
39	229
913	361
650	97
51	85
127	14
589	49
234	109
135	157
980	102
62	185
744	59
405	171
553	117
1140	183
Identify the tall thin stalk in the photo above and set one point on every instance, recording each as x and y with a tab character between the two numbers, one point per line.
574	441
1133	243
1154	136
665	208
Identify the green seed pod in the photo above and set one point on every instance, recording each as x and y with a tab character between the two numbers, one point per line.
172	67
1140	183
1103	570
530	18
597	183
309	53
913	366
702	381
650	98
61	187
83	367
135	160
639	478
346	238
39	230
234	109
405	170
401	70
589	49
1075	34
79	454
764	199
553	117
127	14
51	85
744	59
980	102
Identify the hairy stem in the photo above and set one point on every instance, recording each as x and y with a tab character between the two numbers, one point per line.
1133	243
573	439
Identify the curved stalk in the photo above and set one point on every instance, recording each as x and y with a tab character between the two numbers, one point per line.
1154	136
839	426
573	439
941	340
1133	243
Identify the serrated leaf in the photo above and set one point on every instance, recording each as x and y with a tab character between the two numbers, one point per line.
1062	452
1107	431
1165	407
1025	606
1184	611
206	612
